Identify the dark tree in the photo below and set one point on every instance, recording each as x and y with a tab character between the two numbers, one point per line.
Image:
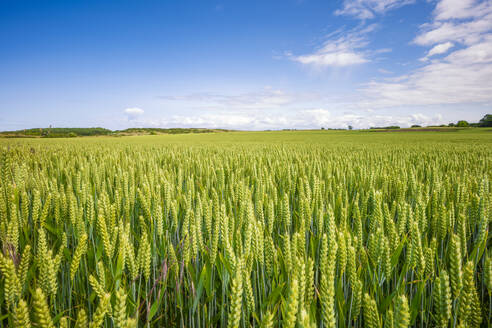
486	121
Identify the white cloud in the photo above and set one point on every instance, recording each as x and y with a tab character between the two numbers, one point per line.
266	98
459	9
461	77
438	50
463	21
366	9
341	49
466	32
300	119
133	112
322	117
333	57
384	71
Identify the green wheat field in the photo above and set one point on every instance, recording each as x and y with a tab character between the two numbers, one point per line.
247	229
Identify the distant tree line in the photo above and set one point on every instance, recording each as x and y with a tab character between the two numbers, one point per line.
50	132
486	121
87	132
57	132
391	127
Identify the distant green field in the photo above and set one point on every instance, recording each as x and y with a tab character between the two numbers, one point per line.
327	137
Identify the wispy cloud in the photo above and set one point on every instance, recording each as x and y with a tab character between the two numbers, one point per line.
463	21
303	119
266	98
333	56
343	48
460	77
367	9
133	113
459	9
439	49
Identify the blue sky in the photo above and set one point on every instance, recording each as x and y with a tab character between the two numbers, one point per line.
244	64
